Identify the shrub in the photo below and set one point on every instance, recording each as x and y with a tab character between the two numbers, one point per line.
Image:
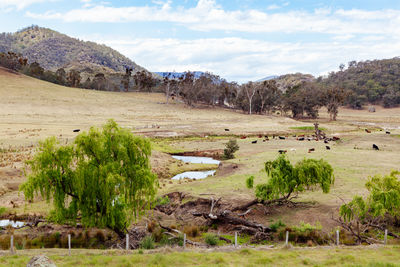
276	225
250	182
192	230
211	239
147	243
231	148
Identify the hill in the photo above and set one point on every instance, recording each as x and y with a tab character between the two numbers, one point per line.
373	81
177	75
288	80
53	50
271	77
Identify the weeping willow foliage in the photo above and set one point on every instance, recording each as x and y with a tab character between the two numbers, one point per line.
286	179
104	177
383	199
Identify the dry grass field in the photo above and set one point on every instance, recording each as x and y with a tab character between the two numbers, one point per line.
31	110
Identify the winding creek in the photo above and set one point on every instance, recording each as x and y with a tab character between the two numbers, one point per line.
196	174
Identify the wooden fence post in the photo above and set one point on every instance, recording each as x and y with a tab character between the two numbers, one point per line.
337	237
287	238
69	244
385	239
12	244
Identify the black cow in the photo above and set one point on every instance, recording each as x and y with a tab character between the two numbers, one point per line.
282	137
328	147
254	142
311	150
76	130
282	151
326	141
368	131
226	130
375	147
300	138
387	132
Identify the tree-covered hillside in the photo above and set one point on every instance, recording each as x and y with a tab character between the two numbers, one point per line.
373	81
53	50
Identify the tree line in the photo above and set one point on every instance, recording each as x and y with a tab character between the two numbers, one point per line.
301	100
139	81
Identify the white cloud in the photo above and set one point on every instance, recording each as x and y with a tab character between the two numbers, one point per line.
243	59
273	6
208	16
19	4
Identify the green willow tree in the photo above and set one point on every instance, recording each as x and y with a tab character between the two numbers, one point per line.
285	180
376	211
104	177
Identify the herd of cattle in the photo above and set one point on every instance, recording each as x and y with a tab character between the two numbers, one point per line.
303	137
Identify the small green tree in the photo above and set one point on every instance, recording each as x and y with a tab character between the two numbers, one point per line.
230	148
286	179
104	177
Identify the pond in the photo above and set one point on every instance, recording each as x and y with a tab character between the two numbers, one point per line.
15	224
202	160
195	174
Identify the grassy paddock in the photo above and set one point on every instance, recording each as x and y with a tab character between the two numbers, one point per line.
347	256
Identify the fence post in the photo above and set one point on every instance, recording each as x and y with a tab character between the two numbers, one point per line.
12	244
236	243
386	233
287	238
184	241
337	237
127	242
69	244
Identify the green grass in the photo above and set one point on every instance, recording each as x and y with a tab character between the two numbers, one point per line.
358	256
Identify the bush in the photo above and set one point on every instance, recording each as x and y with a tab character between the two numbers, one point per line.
231	148
211	239
192	230
147	243
276	225
250	182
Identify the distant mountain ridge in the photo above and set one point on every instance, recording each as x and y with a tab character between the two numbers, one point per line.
177	75
53	50
271	77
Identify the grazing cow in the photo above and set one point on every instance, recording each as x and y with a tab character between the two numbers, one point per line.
264	140
282	151
309	139
294	135
326	141
273	136
76	130
368	131
300	138
259	136
254	142
282	137
387	132
311	150
335	138
226	130
375	147
328	147
301	135
243	137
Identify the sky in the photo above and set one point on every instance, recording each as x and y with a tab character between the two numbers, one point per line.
239	40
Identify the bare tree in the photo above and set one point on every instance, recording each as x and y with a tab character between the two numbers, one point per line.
250	89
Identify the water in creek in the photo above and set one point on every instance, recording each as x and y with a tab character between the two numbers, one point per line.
195	174
15	224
